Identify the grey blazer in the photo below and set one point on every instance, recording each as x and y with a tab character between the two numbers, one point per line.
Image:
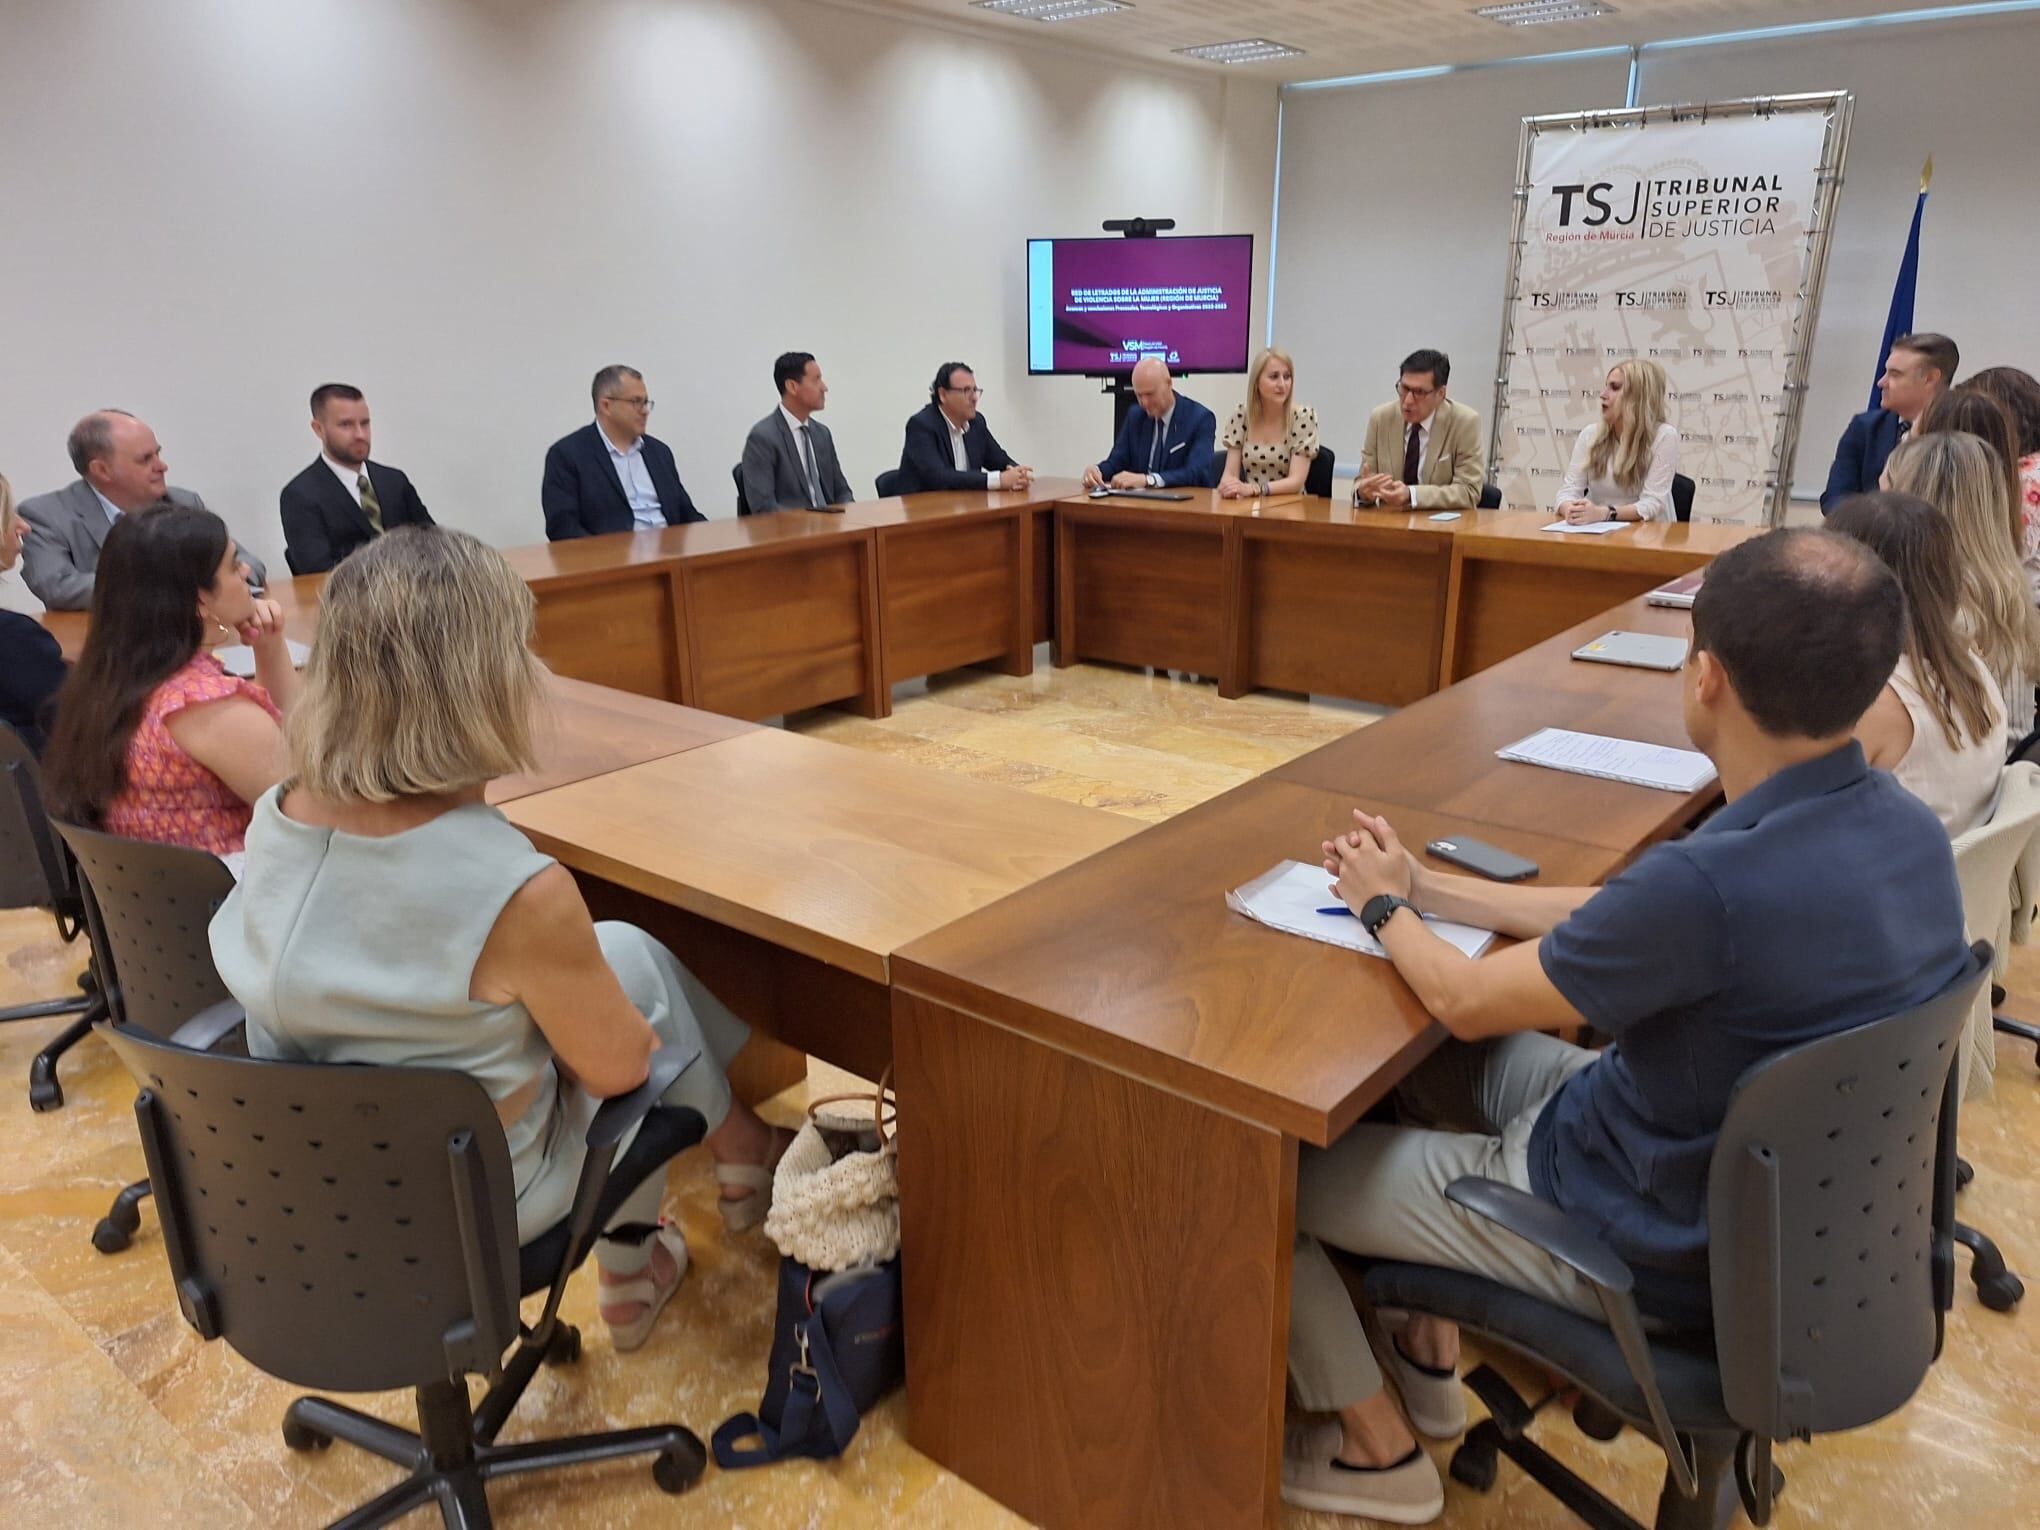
773	474
67	527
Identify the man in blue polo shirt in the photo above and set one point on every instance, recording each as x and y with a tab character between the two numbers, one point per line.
1822	896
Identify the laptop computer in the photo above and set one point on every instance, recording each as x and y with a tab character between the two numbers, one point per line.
1639	650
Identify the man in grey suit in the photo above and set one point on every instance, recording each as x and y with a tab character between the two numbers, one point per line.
789	457
120	470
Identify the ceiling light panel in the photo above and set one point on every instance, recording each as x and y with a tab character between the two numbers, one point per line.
1535	13
1246	50
1052	10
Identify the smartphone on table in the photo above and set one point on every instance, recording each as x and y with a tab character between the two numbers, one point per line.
1482	858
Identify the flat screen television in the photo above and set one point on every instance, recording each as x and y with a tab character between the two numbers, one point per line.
1097	306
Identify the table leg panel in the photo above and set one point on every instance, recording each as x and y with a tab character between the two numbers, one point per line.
1147	596
619	633
774	635
948	596
1358	622
1507	607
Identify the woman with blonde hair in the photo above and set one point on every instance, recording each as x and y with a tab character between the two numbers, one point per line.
31	664
1622	465
389	915
2018	394
1270	439
1958	474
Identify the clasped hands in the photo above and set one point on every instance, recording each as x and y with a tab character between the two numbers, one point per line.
1093	479
1383	489
1578	512
1016	477
1369	861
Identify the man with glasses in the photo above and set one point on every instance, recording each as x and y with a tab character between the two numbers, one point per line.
611	476
949	446
1423	449
1917	371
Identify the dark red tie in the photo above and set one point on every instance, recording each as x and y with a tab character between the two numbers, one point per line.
1412	457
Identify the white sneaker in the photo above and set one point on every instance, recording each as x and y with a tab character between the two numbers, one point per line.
1408	1493
1433	1398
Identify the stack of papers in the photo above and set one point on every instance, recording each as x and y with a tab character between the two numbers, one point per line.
1289	897
1588	528
239	658
1613	759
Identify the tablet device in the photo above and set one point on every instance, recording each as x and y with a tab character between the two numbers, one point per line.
1639	650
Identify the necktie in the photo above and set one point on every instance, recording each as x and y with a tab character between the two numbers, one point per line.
814	477
370	505
1155	446
1413	455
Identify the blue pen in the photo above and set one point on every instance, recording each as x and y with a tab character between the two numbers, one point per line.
1337	908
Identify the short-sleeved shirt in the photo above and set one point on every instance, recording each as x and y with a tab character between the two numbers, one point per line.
1270	459
1823	899
171	798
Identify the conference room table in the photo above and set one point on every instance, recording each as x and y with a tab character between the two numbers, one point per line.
1136	1069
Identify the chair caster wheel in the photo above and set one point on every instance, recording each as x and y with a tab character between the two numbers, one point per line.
45	1095
1965	1171
1595	1420
2001	1293
109	1237
678	1467
565	1348
302	1436
1475	1466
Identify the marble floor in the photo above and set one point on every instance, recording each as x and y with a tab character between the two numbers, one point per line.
114	1413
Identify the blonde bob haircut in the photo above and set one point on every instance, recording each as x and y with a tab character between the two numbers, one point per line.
422	681
1622	454
1261	364
6	506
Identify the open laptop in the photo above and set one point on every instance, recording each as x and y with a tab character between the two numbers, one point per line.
1639	650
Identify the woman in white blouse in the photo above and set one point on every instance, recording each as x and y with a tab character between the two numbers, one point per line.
1622	467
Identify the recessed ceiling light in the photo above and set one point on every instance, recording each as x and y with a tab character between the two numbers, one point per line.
1534	13
1247	50
1052	10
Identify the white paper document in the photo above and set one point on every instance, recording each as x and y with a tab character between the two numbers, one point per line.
1613	759
1289	897
1588	528
239	658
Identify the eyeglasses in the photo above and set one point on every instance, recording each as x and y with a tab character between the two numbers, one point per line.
630	403
973	392
1415	395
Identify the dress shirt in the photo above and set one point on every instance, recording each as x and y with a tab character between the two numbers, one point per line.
112	510
800	452
350	478
637	482
962	458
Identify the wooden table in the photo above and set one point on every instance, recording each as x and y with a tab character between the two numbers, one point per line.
589	730
1134	1067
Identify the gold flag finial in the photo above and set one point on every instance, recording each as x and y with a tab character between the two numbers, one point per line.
1927	175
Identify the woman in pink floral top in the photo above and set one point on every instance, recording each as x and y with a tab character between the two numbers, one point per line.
154	740
2019	394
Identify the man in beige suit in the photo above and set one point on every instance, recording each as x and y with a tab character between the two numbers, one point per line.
1423	450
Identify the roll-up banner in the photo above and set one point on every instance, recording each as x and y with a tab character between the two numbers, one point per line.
1695	236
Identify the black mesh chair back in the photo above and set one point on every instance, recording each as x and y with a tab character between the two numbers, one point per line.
33	870
1830	1213
342	1227
1490	497
888	483
1318	480
737	476
1682	496
147	907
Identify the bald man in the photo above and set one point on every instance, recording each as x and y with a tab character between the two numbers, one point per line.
120	470
1166	442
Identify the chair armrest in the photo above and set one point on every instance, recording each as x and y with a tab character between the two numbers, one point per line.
619	1114
1543	1224
210	1026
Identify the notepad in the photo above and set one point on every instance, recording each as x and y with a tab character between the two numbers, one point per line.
1288	899
1613	759
1588	528
239	658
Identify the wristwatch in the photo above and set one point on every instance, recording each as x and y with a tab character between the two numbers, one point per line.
1614	514
1379	909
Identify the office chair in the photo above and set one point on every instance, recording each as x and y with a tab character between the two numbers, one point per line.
1682	496
888	483
1490	497
147	909
1831	1216
355	1228
35	872
1318	480
737	476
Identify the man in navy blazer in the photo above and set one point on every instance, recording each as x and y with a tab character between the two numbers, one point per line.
949	446
1918	371
1166	442
343	500
611	476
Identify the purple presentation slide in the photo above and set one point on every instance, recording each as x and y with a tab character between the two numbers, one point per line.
1100	305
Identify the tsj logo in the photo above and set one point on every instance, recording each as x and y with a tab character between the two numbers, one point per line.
1709	205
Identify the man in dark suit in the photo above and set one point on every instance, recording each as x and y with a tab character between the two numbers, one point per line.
1166	442
120	470
611	476
343	500
1918	371
949	446
789	457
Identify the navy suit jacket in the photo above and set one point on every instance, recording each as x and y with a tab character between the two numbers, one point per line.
1859	460
583	497
1186	459
322	523
926	461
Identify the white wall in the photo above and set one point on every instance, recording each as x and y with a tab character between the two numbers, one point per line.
1439	155
466	206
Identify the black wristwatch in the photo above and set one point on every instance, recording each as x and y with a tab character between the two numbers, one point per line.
1379	909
